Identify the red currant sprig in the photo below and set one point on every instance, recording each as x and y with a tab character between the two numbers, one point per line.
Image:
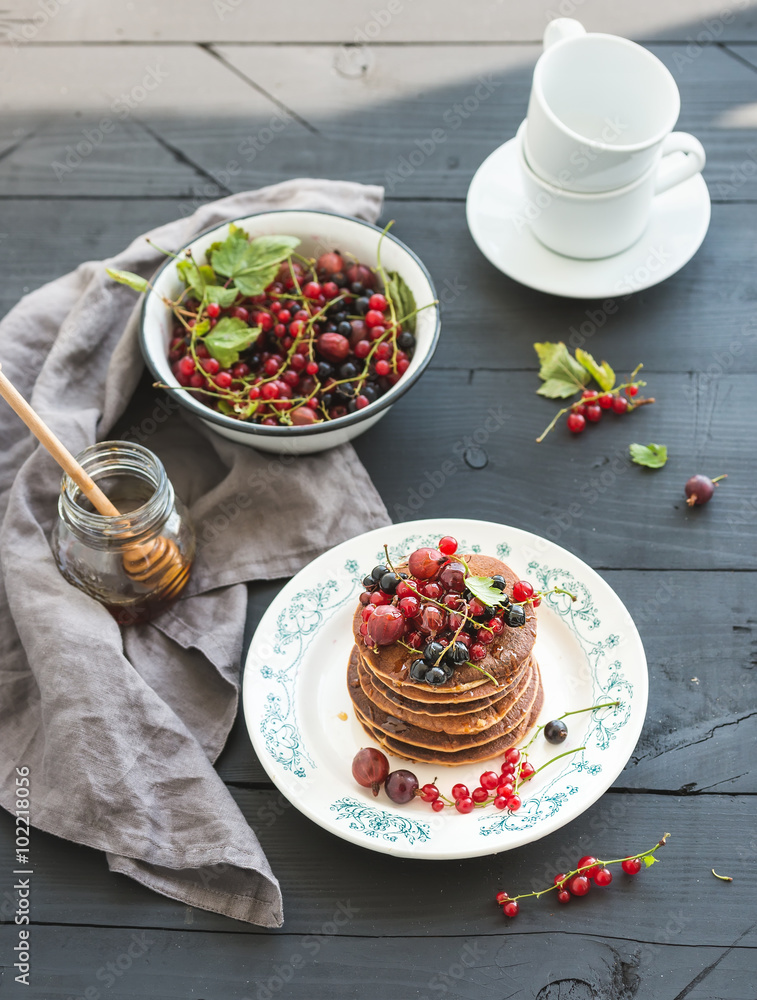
621	399
578	881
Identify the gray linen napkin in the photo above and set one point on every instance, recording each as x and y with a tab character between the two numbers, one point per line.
120	730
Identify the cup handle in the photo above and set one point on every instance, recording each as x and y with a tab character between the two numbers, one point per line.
674	169
561	28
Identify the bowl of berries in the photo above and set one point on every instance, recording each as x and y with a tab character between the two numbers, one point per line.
290	331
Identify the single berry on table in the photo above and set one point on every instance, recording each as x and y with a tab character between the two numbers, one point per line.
699	489
511	908
632	866
576	423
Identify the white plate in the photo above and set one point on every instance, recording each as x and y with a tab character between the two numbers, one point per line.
299	712
497	214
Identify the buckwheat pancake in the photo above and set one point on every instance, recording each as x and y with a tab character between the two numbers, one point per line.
471	755
520	702
470	717
466	718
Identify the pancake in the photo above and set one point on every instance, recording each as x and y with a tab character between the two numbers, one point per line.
471	755
520	703
463	719
470	717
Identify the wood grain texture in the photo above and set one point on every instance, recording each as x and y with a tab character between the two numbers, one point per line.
700	322
173	965
393	898
417	119
363	20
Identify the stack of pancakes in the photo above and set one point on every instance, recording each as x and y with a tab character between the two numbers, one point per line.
468	718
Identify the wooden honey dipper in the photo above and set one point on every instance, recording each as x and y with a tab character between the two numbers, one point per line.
156	564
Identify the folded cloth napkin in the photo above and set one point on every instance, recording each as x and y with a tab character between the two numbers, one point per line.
119	730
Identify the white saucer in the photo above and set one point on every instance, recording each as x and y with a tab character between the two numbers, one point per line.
496	210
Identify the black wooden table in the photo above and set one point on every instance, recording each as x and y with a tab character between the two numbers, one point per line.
359	924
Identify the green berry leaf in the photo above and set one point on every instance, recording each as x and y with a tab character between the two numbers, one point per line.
484	590
405	306
227	338
602	374
654	456
252	264
256	282
223	296
650	860
194	276
561	374
128	278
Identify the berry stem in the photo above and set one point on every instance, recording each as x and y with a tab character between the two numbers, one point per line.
723	878
576	711
565	753
603	864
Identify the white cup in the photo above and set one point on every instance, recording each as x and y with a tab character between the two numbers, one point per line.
591	226
600	109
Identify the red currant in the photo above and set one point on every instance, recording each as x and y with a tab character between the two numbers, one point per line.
465	805
514	803
213	310
619	404
632	390
187	366
477	651
382	367
522	590
563	896
559	878
489	780
589	864
603	877
576	423
409	606
479	795
500	802
311	290
632	866
429	793
437	805
510	909
579	885
593	413
374	318
512	756
526	771
460	792
223	380
505	790
448	545
501	897
605	401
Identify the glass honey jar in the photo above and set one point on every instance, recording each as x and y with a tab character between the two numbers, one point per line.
136	564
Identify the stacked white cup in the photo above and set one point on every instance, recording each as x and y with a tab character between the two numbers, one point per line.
597	146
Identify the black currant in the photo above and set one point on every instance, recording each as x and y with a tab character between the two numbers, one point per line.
324	371
515	616
368	581
362	306
432	651
343	327
418	670
378	571
499	582
357	287
406	341
457	653
555	731
348	370
435	675
388	582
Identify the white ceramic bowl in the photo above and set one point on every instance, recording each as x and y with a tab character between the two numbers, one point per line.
319	232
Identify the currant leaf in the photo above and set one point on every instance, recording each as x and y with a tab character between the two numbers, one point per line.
128	278
484	590
223	296
653	456
561	373
602	374
405	306
227	338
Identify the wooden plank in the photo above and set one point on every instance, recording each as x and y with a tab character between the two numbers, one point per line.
417	119
699	321
394	898
122	964
706	21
